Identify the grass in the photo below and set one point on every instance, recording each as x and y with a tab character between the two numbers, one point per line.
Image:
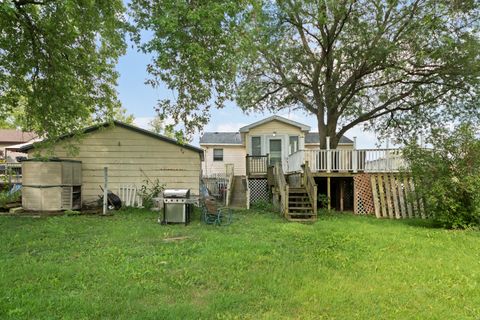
260	267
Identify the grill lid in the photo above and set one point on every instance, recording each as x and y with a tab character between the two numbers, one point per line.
176	193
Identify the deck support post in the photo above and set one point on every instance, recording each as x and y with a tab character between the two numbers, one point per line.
329	156
342	194
328	194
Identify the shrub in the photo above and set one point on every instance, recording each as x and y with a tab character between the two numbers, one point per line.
447	178
262	205
149	190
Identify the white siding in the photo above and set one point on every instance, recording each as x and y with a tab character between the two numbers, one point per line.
231	155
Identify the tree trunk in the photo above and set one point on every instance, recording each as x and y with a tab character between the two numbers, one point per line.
322	132
328	130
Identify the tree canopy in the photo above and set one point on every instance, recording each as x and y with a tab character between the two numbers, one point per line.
389	64
57	62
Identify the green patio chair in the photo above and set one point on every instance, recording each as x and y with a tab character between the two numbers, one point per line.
219	216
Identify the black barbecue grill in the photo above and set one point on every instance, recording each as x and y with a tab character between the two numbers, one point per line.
177	206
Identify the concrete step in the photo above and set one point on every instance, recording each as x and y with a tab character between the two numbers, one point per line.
239	196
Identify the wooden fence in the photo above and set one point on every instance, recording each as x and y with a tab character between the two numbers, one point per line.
387	196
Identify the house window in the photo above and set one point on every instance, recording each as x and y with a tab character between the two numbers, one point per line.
217	154
293	144
256	146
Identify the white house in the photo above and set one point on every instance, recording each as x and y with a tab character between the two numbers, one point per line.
261	143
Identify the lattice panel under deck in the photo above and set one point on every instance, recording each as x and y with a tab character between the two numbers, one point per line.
258	190
363	197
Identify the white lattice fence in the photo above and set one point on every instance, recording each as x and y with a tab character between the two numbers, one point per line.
258	190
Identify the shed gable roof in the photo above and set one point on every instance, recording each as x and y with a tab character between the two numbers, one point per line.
128	127
302	126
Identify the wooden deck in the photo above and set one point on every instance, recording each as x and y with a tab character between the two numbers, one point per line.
324	162
257	166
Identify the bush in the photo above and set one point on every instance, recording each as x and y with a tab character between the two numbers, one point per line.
7	197
149	190
262	205
447	178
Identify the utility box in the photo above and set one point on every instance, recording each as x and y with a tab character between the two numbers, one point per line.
51	185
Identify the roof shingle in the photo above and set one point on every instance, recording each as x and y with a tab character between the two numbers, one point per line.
221	138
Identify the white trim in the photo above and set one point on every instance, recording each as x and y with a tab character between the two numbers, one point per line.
222	144
302	126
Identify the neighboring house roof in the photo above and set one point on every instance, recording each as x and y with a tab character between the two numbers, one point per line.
129	127
18	147
221	138
314	137
15	136
302	127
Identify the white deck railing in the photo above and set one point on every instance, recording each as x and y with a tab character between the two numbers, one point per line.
342	160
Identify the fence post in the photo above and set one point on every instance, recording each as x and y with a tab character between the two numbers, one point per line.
329	156
247	165
105	191
354	155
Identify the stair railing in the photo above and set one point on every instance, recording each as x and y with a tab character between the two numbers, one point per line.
282	187
310	186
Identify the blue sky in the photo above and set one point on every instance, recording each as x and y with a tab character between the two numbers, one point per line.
140	99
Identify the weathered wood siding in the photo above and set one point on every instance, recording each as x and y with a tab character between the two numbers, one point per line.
130	156
231	155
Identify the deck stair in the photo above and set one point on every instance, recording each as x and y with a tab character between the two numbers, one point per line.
300	207
299	202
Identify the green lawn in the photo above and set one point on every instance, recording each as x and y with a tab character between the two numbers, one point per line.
260	267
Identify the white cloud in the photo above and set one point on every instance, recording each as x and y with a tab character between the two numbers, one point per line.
293	116
229	127
365	139
143	122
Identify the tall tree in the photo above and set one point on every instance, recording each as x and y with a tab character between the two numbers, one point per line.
157	125
401	64
57	62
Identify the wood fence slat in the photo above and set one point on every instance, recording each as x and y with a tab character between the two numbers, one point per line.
393	183
406	186
388	195
401	199
382	197
375	196
414	199
421	207
419	200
